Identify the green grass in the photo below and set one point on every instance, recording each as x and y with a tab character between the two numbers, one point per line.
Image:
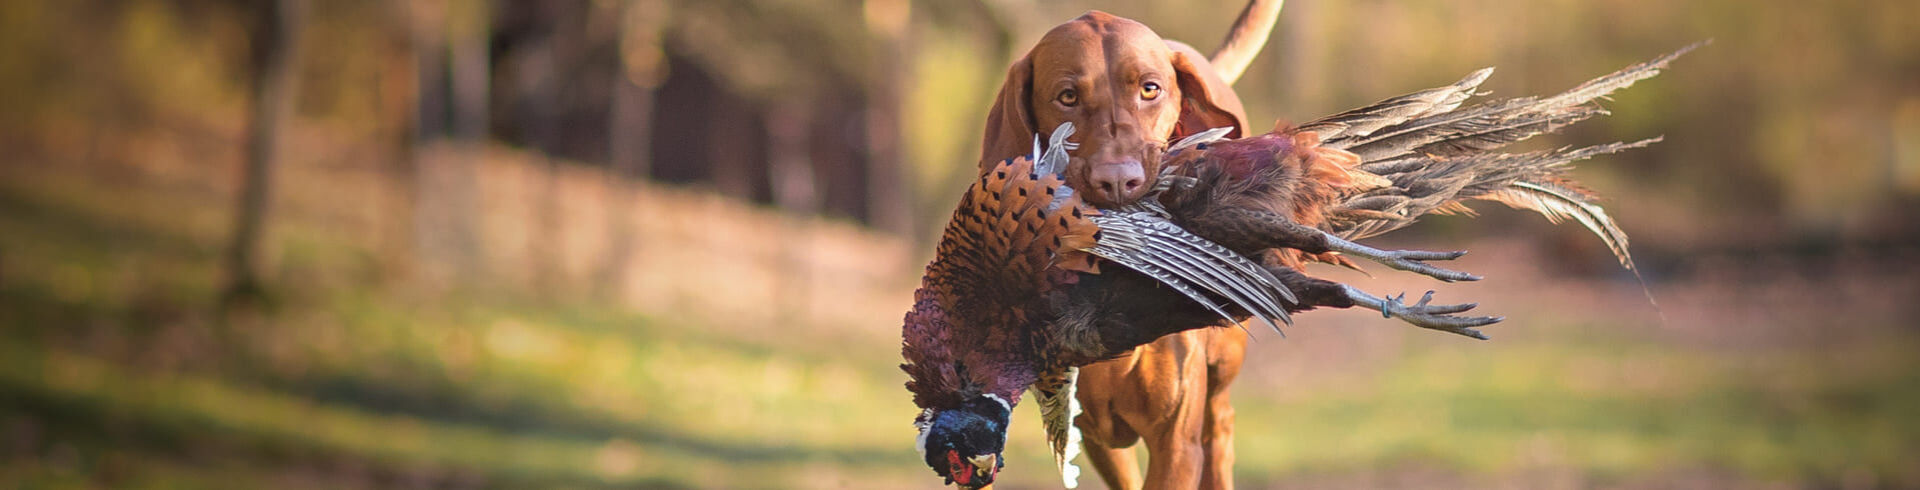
114	371
1609	412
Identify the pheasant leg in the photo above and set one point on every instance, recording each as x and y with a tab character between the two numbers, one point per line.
1436	317
1406	260
1315	292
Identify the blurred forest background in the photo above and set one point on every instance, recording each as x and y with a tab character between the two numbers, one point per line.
667	243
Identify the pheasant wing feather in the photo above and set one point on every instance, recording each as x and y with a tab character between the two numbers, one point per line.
1148	243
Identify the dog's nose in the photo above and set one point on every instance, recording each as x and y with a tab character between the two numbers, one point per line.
1117	182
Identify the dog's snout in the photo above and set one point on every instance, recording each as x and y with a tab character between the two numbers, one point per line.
1118	182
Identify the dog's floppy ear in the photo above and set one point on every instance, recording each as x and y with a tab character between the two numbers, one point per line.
1010	125
1206	100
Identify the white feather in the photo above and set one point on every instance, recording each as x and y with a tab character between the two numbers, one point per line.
1003	404
921	423
1207	136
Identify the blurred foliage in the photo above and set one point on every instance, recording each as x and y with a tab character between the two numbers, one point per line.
1796	112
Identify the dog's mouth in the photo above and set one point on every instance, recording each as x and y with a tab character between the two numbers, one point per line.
1114	184
1106	178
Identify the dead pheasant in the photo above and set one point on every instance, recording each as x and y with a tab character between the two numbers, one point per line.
985	325
1016	299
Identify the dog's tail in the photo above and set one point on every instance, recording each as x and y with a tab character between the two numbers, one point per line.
1244	40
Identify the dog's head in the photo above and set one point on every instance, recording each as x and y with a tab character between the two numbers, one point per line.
1127	91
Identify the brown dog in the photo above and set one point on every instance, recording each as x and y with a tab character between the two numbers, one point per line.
1128	93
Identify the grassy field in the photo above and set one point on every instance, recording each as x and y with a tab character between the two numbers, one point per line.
116	373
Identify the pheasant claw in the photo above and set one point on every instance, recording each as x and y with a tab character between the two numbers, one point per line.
1423	314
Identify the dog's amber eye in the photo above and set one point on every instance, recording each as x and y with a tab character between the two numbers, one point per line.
1068	97
1150	91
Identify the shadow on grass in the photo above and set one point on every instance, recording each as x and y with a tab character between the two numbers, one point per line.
526	416
53	224
94	426
29	309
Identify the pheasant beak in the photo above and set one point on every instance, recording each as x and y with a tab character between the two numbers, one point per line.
985	461
975	472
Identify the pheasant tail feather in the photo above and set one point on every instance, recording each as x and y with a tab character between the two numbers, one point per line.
1054	393
1559	203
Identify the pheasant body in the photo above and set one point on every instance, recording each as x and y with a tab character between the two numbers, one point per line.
984	325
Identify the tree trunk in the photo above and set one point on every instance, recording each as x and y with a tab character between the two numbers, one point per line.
275	61
427	42
452	183
796	188
469	24
536	67
887	205
630	131
796	191
427	45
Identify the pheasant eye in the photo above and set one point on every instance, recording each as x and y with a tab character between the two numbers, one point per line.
1068	98
1150	91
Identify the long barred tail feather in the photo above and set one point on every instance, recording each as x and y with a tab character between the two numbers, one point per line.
1396	127
1440	185
1361	122
1438	155
1054	394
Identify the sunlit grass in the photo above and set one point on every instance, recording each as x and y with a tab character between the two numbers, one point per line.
1610	410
